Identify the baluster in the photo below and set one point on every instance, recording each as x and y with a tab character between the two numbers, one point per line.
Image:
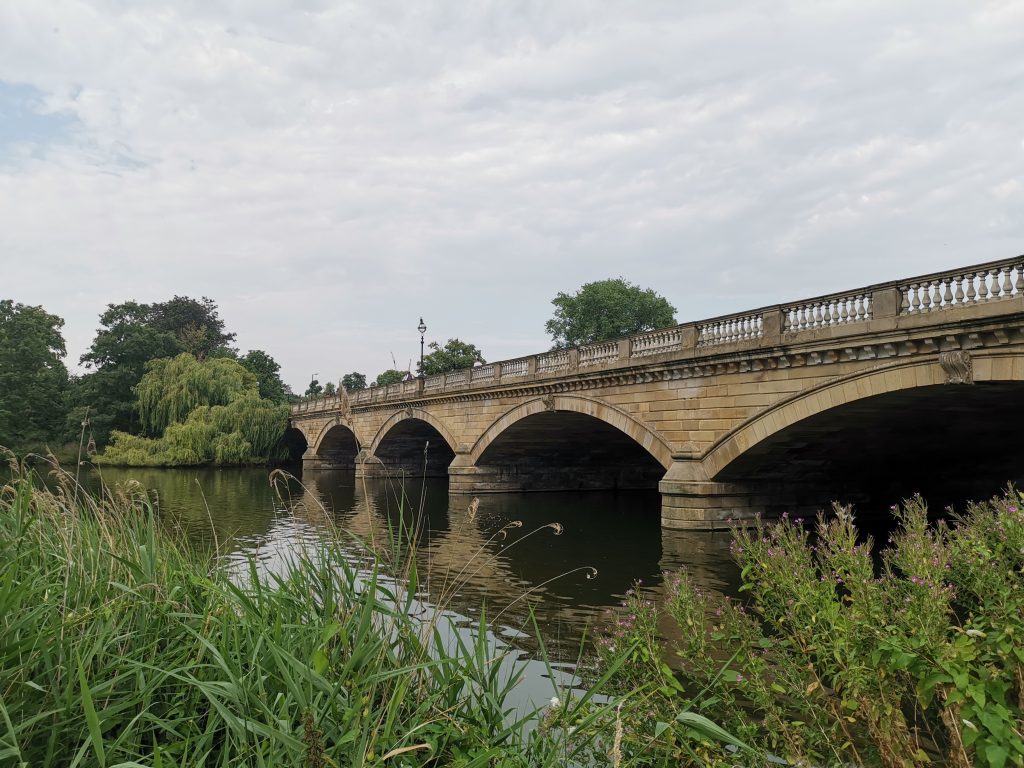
805	317
972	293
983	290
959	295
947	292
858	308
915	299
1019	284
904	301
1007	288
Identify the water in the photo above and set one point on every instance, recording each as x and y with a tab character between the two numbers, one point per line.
467	559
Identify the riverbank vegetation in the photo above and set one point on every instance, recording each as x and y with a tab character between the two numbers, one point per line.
844	654
201	412
122	646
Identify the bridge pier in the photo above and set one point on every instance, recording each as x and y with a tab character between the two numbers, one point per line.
689	500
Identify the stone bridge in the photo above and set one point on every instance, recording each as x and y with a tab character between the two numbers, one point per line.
876	392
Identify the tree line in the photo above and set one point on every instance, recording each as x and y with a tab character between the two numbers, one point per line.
598	311
164	385
150	370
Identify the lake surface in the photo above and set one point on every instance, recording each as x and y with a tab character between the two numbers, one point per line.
609	541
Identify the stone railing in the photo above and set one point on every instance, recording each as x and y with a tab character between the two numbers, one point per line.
976	285
875	309
730	330
598	354
826	312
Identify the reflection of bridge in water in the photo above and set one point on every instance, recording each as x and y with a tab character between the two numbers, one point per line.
466	560
912	385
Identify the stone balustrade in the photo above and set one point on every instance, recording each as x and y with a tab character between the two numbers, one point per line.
989	282
826	312
873	309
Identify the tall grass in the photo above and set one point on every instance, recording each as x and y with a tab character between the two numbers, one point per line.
122	646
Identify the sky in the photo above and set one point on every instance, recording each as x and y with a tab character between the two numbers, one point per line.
329	172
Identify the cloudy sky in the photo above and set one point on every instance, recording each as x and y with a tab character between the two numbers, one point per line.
329	171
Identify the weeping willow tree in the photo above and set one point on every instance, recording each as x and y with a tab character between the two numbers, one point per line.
205	412
173	387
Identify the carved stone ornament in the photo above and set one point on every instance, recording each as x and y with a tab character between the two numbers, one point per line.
957	366
549	403
408	413
344	405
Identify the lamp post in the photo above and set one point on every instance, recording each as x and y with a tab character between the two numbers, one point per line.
422	328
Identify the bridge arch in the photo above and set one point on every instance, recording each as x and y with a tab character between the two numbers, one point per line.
645	437
882	434
412	441
412	413
336	445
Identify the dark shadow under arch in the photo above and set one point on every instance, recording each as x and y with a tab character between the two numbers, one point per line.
567	450
947	442
415	447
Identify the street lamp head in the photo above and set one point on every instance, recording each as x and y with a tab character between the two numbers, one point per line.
422	328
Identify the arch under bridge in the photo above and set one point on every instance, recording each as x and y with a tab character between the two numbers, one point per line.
900	386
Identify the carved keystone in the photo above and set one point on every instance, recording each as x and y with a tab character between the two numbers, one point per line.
957	366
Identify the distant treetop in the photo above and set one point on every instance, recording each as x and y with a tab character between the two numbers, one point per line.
607	309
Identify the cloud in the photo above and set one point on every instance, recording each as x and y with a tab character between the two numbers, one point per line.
330	171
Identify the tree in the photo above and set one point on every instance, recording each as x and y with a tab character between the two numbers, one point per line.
200	412
314	389
33	378
330	389
267	373
607	309
124	343
195	323
390	376
353	382
453	356
174	387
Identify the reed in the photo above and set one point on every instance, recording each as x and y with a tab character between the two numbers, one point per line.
120	645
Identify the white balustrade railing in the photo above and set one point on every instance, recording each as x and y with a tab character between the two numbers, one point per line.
433	382
553	361
455	379
959	289
393	390
362	396
598	354
483	373
826	312
657	342
515	368
729	330
409	387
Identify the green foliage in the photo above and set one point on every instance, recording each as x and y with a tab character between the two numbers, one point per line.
130	335
204	412
606	309
195	323
453	356
121	646
390	376
314	389
267	373
33	378
353	381
173	387
845	665
330	389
